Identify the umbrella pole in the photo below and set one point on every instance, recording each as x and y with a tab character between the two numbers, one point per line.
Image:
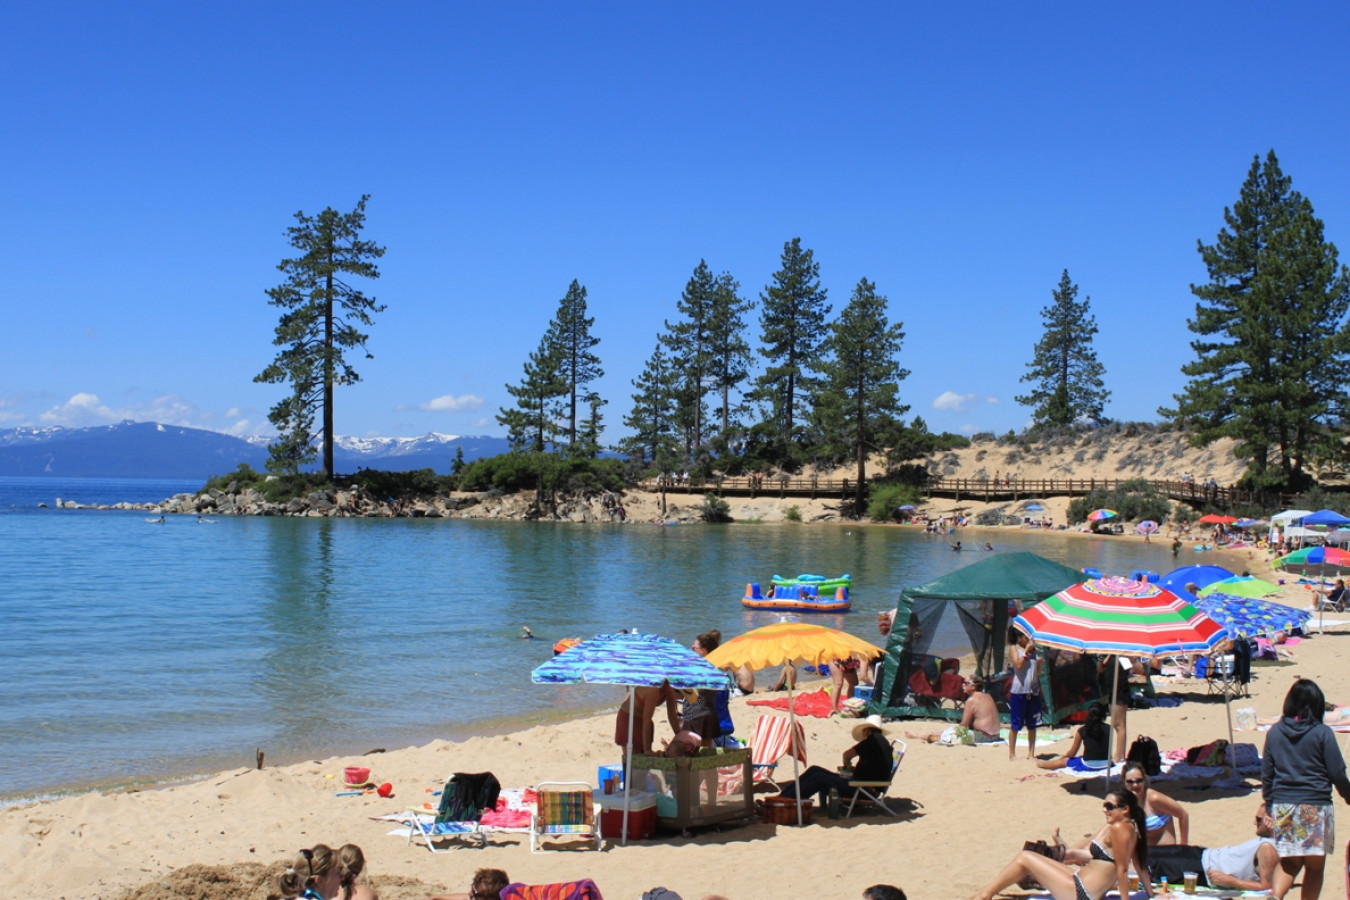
628	769
792	742
1111	719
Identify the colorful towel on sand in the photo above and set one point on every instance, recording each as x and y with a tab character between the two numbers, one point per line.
565	890
812	703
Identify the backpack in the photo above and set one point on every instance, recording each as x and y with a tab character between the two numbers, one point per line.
1144	751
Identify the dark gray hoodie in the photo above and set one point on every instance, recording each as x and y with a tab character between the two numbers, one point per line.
1301	762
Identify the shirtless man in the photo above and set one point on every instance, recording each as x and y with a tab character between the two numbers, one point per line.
979	722
649	700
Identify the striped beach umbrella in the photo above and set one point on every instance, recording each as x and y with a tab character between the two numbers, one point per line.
1122	617
1101	515
1315	556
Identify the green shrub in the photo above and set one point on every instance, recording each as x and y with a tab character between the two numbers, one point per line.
884	498
1134	500
243	476
792	514
715	509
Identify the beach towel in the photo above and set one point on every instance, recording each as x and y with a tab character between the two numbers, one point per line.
563	890
812	703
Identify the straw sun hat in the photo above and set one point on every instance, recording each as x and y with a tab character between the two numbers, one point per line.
860	730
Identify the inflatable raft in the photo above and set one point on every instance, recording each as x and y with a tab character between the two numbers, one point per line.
822	584
798	597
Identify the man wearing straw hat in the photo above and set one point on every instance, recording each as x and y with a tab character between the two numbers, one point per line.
872	752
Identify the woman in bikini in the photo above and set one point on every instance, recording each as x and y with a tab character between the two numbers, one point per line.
1110	853
1166	820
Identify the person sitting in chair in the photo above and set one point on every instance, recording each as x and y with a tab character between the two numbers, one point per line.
873	756
1335	597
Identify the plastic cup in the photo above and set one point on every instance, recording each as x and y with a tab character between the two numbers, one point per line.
1190	882
609	785
1134	882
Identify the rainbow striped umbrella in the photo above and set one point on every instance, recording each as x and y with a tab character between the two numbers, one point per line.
1120	616
1315	556
1101	515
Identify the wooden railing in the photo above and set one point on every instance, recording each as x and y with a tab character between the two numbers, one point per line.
985	490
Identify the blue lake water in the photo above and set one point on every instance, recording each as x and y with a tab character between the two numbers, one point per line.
134	652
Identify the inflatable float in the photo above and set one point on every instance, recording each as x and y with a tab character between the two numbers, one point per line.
822	584
798	596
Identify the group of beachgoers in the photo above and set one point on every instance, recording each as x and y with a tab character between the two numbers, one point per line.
1144	842
322	873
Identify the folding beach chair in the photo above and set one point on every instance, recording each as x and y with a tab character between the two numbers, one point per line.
564	809
463	800
875	791
1219	675
771	741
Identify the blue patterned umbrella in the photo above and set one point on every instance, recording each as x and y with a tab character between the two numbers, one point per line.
1251	615
635	660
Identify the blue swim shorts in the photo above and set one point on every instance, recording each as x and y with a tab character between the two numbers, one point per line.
1025	711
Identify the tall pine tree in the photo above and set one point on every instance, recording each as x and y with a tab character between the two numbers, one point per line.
570	336
323	317
861	390
1272	340
532	423
792	315
652	419
728	351
689	342
1064	366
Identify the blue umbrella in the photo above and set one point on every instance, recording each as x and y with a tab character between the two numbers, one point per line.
1200	576
634	660
1251	615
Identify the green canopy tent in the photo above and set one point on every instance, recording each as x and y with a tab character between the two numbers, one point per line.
964	616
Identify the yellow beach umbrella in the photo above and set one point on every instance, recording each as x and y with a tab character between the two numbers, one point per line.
786	644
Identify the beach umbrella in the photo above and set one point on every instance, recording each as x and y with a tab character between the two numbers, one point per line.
634	661
1200	576
1121	617
1101	515
1252	616
1241	586
1148	526
1324	517
1215	519
907	507
1248	523
788	644
1315	556
1034	507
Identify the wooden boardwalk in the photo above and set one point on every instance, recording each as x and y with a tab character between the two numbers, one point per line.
983	490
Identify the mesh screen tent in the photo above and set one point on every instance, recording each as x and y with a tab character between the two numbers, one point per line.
956	626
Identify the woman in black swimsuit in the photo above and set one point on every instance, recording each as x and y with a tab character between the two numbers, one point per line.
1111	851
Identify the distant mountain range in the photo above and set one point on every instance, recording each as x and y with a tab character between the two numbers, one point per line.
149	450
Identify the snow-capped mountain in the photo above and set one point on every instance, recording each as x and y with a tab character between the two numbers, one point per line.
151	450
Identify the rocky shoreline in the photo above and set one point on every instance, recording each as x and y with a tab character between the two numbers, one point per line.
360	503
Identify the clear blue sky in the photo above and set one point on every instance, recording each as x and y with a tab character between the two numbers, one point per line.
958	155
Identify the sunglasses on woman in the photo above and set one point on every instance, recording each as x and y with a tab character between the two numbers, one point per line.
1109	806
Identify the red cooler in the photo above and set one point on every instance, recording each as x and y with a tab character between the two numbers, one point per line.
641	815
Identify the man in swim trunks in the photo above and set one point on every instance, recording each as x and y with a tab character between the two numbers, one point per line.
979	722
1249	866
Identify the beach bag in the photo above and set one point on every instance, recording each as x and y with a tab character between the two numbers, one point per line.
1211	754
1144	751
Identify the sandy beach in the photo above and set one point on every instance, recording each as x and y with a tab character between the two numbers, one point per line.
967	810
